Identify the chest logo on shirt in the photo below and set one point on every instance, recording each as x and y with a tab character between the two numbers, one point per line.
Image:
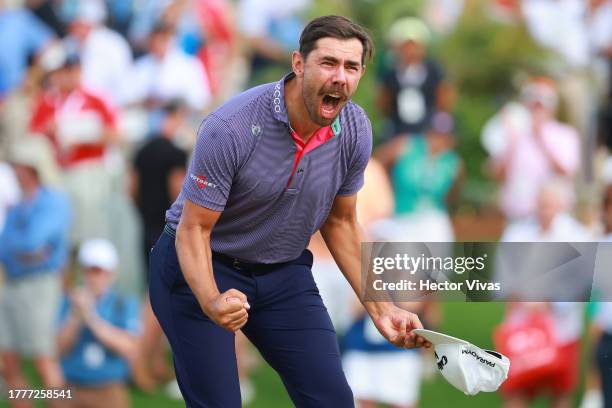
255	129
201	181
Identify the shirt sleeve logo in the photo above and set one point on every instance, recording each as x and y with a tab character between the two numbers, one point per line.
201	181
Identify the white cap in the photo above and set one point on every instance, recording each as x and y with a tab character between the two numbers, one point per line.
98	253
409	29
468	368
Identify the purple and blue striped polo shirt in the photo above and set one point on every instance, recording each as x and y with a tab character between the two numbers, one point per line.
244	159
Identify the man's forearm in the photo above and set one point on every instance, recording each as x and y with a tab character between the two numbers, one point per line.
343	238
195	258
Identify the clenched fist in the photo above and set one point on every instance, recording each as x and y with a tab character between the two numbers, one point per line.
228	310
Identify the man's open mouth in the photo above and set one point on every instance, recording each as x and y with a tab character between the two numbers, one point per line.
330	104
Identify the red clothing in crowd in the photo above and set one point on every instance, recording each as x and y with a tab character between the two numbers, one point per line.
75	124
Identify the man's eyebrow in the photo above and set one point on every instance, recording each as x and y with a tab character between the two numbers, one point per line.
335	60
328	58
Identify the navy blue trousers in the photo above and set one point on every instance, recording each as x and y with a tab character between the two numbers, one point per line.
288	324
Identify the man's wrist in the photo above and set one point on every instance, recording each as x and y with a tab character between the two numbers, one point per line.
376	309
207	300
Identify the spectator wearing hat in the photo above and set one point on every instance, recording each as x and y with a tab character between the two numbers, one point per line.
413	87
33	252
83	128
425	175
98	331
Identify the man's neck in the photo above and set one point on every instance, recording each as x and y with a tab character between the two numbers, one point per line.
299	119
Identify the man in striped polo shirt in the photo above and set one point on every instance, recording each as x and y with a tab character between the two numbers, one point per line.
271	167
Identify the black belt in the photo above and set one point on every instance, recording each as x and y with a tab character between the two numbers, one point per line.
231	261
239	264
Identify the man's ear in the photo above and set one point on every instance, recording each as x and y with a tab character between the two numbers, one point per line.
297	63
363	70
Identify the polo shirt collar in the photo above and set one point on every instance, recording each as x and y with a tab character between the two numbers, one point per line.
279	108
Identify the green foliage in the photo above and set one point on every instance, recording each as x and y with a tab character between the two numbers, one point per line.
483	56
483	59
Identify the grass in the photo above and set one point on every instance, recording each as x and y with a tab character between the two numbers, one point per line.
471	321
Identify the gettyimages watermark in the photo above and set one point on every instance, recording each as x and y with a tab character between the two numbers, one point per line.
485	271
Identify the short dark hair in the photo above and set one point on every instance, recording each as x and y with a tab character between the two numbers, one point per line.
335	27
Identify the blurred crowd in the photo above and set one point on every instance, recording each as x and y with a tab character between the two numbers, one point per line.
100	101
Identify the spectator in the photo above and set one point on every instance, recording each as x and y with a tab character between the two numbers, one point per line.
33	251
412	88
271	30
528	147
552	220
159	170
168	73
425	174
82	127
552	223
106	58
21	35
98	329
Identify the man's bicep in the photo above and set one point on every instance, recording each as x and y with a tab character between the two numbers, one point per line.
344	208
196	216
